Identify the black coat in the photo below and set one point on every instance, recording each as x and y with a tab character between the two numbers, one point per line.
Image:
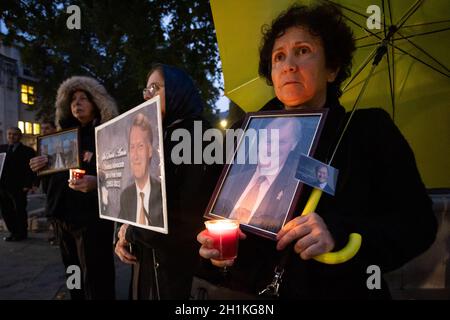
16	173
379	194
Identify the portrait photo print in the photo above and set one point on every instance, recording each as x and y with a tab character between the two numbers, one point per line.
130	168
62	150
258	186
317	174
2	162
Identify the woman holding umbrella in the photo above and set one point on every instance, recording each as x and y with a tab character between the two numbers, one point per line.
305	55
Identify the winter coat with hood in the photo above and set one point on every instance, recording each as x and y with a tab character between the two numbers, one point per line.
63	203
168	260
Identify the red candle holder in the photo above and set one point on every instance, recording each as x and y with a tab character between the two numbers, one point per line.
76	174
225	235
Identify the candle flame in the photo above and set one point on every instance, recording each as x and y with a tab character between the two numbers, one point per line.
220	225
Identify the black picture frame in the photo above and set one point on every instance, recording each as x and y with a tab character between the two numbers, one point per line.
62	149
281	192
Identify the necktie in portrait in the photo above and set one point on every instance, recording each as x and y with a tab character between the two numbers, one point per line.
143	213
247	204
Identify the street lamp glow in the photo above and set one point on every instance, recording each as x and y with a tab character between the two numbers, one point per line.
223	123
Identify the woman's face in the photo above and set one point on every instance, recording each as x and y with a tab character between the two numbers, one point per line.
299	73
82	109
155	86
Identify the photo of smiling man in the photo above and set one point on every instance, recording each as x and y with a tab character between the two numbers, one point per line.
140	202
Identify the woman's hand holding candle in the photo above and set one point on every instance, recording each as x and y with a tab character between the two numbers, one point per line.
220	244
86	184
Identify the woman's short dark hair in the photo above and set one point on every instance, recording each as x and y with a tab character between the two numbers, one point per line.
324	21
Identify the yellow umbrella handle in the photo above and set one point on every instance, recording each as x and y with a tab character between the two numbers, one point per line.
343	255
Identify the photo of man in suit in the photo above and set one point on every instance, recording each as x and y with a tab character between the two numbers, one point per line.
141	202
322	179
260	195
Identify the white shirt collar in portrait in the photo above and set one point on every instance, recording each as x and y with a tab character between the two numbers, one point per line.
270	178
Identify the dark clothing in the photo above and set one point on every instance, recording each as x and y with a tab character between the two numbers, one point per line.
188	188
396	223
89	247
16	176
166	262
85	240
128	205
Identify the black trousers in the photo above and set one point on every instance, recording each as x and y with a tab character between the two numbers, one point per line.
91	248
14	211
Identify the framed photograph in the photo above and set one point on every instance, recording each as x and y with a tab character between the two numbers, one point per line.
130	168
62	150
258	186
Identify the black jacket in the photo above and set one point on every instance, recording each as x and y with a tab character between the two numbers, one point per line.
379	195
16	173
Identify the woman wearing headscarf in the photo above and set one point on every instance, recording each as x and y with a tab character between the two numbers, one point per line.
305	55
86	241
163	264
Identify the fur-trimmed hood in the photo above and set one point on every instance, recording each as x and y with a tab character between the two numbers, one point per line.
105	103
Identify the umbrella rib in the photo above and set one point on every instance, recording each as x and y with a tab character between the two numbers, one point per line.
384	18
367	36
360	69
426	53
390	12
422	34
409	13
363	89
425	24
367	45
351	20
242	85
391	83
420	60
353	11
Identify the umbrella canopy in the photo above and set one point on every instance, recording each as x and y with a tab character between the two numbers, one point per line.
412	81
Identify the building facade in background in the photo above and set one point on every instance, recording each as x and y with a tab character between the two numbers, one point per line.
17	96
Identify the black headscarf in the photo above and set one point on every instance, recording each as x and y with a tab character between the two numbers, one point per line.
182	97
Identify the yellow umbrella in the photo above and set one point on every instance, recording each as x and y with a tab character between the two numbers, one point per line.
416	91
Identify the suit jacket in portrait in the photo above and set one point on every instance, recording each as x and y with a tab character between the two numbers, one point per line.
128	205
272	210
327	188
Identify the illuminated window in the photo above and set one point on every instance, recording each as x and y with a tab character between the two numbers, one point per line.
36	128
27	94
21	126
28	128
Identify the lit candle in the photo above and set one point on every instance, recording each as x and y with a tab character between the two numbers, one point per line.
225	235
76	174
